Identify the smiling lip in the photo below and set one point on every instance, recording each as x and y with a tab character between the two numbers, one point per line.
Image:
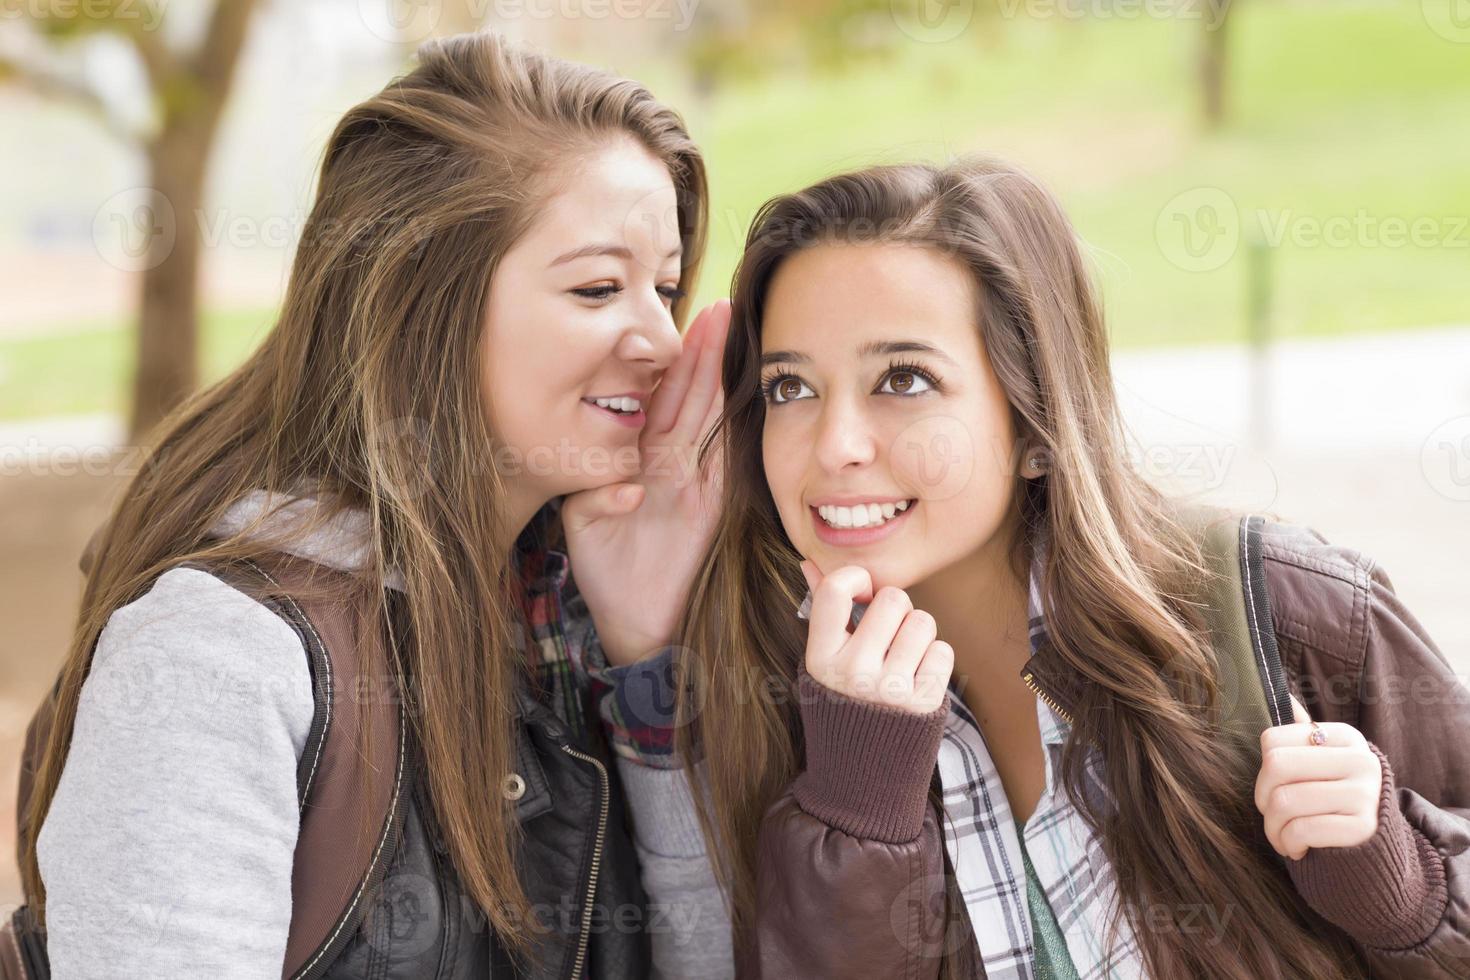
632	420
851	537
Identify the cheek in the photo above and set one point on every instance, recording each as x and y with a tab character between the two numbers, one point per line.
935	458
962	473
535	372
784	461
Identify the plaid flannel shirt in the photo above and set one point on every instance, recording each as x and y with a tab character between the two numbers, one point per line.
980	835
633	702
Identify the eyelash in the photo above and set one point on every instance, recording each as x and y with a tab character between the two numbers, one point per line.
671	293
769	383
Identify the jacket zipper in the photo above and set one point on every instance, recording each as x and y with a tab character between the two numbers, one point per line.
582	936
1030	679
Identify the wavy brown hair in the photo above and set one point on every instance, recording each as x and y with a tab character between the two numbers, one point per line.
368	388
1184	833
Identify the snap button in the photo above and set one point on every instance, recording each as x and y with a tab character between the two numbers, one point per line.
513	786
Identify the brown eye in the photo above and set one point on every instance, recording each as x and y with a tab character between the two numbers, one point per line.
906	381
789	388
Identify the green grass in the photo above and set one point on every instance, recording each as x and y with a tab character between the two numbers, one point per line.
89	369
1336	110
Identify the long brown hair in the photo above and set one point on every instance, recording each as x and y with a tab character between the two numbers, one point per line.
1183	833
369	389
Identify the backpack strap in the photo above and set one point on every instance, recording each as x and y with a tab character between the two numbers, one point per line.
1237	609
342	786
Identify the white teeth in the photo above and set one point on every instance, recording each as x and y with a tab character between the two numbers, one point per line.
861	515
628	405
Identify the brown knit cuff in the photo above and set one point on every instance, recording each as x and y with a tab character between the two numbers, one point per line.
868	765
1388	892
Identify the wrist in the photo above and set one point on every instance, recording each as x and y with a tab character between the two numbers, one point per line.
868	765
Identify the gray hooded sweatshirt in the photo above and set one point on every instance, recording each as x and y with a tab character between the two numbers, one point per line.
168	848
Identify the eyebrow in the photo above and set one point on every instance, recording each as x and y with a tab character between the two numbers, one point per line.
869	348
606	248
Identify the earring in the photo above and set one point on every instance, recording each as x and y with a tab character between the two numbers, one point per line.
1038	461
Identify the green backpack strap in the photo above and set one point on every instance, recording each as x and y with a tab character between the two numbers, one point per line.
1254	694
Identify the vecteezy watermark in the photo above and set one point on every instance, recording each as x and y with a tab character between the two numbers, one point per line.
135	229
36	458
1450	19
143	15
1362	229
932	21
1203	465
411	21
1199	229
1445	458
564	917
939	452
1209	12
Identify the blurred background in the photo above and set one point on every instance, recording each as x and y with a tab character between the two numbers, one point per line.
1275	196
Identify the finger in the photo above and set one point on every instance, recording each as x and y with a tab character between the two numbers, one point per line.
931	679
910	643
1298	711
669	395
1292	764
712	417
832	609
811	574
1337	733
874	634
1292	800
1325	830
705	385
586	507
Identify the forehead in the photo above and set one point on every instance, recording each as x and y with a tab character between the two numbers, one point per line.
826	299
619	193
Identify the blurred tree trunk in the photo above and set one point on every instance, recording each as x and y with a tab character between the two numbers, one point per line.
193	96
1214	66
188	91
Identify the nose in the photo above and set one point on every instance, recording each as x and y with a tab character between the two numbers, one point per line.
651	339
844	437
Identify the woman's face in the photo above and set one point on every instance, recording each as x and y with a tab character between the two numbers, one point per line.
579	326
888	441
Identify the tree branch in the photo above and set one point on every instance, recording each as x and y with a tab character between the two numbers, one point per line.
214	62
158	60
44	80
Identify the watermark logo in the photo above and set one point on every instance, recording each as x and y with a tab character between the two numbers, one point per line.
1450	19
1445	458
1199	230
135	229
932	21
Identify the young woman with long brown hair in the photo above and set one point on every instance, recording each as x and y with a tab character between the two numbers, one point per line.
476	360
1013	764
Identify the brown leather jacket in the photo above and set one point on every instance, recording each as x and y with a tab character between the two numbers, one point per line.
868	900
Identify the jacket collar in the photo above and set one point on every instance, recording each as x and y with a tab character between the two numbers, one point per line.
1043	672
